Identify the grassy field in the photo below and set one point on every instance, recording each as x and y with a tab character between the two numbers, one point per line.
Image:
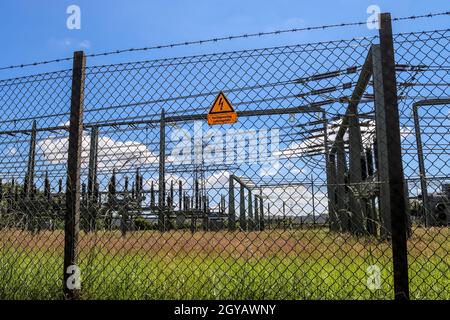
301	264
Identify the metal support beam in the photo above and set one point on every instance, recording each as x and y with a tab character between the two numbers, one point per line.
256	201
180	195
420	157
358	214
231	210
92	180
93	156
251	218
372	219
29	183
162	179
381	159
331	184
29	189
330	167
261	214
242	218
357	94
340	188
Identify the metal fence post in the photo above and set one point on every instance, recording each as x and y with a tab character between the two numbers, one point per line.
331	183
257	222
72	216
92	181
29	183
261	213
396	197
29	191
422	173
313	202
251	221
342	215
242	218
162	179
380	146
231	207
420	154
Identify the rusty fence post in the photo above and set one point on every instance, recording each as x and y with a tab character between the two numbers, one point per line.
386	93
71	285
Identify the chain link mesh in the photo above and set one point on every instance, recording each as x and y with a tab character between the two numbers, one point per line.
267	208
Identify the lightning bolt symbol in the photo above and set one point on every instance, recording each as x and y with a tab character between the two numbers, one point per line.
221	104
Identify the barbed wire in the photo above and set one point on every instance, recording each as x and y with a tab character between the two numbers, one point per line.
225	38
33	64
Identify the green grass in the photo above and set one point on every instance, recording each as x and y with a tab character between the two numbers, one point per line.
327	270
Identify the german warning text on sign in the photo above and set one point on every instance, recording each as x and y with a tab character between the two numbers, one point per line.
222	112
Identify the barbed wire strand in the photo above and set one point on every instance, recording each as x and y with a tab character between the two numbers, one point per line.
219	39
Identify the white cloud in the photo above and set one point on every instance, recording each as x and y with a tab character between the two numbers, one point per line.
297	149
298	170
71	43
85	44
218	180
111	153
270	169
297	200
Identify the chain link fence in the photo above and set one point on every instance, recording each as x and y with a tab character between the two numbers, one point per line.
333	184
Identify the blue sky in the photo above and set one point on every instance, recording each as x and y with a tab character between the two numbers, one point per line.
36	30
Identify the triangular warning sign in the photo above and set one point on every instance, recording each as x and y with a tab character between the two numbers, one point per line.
222	112
221	104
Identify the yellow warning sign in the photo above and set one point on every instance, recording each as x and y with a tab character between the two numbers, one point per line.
222	112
